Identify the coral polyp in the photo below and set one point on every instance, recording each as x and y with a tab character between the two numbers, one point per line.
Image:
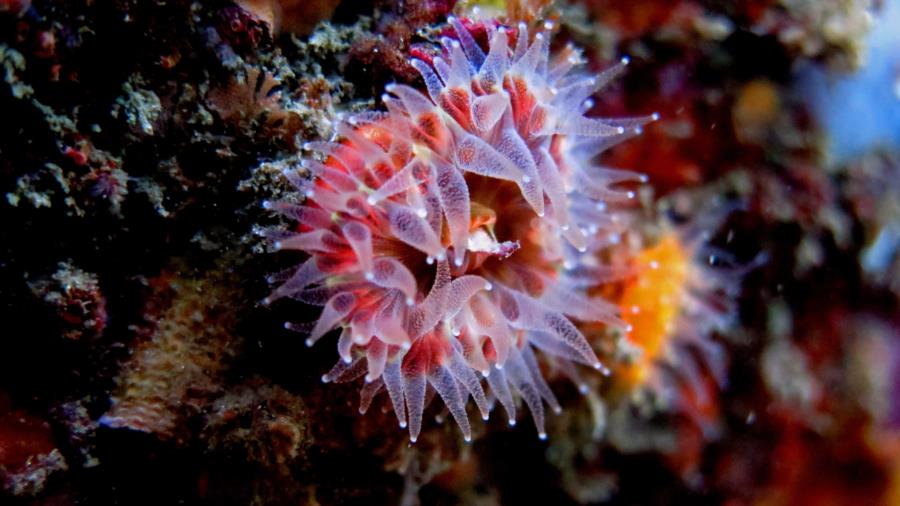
452	235
684	291
652	304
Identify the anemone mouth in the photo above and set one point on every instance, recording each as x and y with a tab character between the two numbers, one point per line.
503	238
510	212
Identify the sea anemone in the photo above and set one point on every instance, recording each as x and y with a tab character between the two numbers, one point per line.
458	231
683	292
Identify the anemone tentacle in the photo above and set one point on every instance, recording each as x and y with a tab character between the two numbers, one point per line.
449	235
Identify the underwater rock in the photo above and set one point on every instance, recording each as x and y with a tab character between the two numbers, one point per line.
178	357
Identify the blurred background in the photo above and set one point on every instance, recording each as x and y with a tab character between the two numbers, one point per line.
137	366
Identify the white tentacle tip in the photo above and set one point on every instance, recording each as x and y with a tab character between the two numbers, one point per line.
625	60
512	422
542	436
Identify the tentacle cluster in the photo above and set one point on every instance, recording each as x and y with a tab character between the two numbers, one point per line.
453	234
685	290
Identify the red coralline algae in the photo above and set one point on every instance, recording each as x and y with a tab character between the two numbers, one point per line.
76	299
28	455
241	28
292	16
17	7
459	231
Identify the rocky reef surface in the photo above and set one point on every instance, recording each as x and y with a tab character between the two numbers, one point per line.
757	275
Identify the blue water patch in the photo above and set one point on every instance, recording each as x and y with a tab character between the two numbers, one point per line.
861	111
